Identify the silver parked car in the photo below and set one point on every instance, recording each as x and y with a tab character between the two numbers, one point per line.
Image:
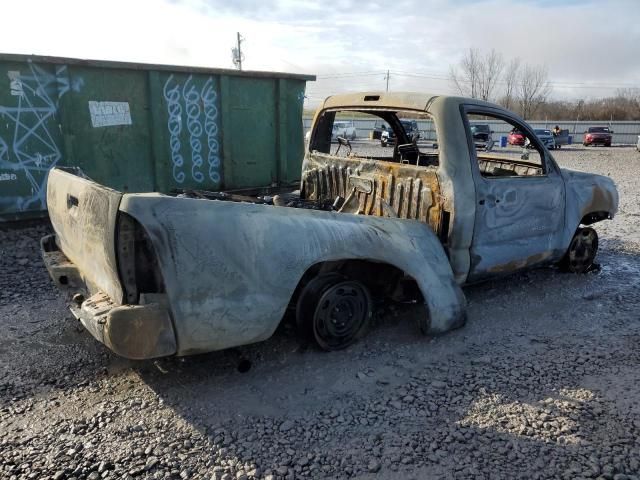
344	129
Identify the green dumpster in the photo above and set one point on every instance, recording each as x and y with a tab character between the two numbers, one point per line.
141	127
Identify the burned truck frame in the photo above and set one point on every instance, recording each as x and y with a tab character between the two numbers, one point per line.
157	275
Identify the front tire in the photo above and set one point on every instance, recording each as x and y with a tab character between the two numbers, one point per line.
582	251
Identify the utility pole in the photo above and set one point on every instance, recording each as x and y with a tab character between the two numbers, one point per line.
236	52
239	52
387	77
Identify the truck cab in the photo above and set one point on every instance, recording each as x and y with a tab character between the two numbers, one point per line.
494	212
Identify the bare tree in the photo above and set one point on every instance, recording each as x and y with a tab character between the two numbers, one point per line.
490	68
479	73
533	88
510	80
466	82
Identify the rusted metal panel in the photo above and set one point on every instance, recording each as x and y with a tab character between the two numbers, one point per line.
410	191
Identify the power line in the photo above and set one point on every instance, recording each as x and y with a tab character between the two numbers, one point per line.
442	77
350	74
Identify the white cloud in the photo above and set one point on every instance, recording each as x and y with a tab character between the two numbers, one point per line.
582	42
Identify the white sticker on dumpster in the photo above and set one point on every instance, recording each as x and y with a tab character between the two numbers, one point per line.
15	83
108	114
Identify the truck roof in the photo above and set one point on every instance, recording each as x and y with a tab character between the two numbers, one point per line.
395	100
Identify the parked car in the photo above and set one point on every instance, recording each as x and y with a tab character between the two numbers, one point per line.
482	136
153	275
546	137
598	136
410	128
344	129
516	137
378	127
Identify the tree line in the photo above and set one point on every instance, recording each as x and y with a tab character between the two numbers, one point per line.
525	89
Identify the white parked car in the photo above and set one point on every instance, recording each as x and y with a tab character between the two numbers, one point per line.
344	129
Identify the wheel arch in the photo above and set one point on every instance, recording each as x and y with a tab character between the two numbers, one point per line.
442	297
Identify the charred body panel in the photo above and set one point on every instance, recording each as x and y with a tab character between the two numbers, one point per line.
87	258
590	199
83	215
230	269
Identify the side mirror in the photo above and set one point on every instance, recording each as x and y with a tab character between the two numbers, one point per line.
611	131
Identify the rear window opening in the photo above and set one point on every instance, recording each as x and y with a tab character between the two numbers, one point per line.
401	136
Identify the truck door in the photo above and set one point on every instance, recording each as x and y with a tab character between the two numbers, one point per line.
520	198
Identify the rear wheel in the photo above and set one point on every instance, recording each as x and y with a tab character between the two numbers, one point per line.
582	251
334	311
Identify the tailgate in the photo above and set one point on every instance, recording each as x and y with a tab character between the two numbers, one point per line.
83	214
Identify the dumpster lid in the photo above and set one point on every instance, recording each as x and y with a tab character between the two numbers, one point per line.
13	57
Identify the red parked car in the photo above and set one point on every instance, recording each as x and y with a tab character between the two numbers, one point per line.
597	135
516	137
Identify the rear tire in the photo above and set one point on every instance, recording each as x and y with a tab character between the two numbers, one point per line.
582	251
334	311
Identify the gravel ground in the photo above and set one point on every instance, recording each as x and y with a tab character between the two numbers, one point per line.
542	382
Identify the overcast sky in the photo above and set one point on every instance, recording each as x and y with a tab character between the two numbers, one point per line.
589	47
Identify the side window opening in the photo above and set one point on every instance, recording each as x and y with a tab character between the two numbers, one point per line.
406	137
503	148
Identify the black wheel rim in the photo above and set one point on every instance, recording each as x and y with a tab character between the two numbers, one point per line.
340	314
583	249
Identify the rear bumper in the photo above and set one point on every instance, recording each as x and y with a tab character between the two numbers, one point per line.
133	331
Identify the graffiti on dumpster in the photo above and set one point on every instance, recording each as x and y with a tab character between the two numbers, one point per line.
197	106
28	145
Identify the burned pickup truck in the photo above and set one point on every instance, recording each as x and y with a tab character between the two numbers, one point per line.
154	275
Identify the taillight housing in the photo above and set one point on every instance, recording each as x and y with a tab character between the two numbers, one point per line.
137	262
